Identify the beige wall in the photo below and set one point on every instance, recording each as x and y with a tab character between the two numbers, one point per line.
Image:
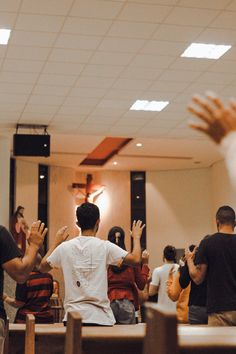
222	192
178	207
27	189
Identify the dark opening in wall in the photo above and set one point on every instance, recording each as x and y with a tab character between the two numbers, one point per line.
138	200
43	172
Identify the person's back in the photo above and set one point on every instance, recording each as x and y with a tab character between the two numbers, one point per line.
124	282
215	261
160	277
35	294
221	272
84	262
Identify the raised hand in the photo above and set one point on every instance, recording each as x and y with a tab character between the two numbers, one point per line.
61	235
137	229
219	119
145	257
37	234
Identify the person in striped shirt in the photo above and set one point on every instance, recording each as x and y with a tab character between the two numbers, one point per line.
33	297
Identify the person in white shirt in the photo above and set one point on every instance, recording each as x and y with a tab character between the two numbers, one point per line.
219	124
160	277
84	261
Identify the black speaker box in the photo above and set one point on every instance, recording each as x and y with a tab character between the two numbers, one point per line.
31	145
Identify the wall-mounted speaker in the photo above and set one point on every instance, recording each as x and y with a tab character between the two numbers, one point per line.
31	145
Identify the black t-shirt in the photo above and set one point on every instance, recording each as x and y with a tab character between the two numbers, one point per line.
219	253
198	293
8	251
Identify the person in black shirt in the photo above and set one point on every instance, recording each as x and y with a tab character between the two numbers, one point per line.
15	265
216	261
197	297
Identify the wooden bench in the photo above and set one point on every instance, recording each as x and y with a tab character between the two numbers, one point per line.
124	339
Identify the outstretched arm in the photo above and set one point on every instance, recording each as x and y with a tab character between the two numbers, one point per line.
135	256
219	124
20	268
61	236
196	272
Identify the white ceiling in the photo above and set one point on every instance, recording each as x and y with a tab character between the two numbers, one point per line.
78	65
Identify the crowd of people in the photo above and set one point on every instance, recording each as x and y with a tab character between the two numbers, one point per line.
105	282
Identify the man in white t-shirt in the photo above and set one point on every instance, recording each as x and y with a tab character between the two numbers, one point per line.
219	124
84	261
160	276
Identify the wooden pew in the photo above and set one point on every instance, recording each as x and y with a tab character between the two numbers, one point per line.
161	331
124	339
30	334
73	342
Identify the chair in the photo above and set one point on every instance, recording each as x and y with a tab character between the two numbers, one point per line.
73	342
30	334
161	331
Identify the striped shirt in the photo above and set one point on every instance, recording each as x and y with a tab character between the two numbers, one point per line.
35	293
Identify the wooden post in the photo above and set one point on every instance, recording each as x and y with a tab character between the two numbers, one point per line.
161	331
30	334
73	342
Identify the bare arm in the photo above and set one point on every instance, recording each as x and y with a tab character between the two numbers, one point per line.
173	287
153	289
196	272
20	268
135	256
61	236
12	301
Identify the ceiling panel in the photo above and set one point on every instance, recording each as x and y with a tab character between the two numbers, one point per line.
78	65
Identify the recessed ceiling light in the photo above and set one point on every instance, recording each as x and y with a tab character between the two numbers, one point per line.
144	105
4	35
139	144
207	51
115	163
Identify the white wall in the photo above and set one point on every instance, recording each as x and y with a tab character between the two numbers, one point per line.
179	209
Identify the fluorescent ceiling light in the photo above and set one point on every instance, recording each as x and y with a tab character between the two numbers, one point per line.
4	35
144	105
139	144
207	51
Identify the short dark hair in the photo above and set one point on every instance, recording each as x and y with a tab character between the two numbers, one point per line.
170	253
87	215
226	215
119	241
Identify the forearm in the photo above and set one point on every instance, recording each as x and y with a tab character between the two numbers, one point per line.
21	270
228	149
44	266
13	302
194	272
136	252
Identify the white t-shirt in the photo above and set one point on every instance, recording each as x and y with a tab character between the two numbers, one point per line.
159	278
84	262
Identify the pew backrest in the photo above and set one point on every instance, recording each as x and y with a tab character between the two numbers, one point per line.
161	331
30	334
73	342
